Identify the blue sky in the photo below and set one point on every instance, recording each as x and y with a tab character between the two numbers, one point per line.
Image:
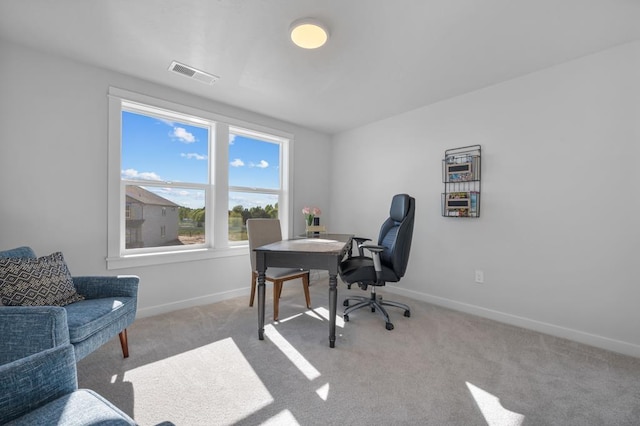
160	150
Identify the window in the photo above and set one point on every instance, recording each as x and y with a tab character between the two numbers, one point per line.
254	179
194	175
165	174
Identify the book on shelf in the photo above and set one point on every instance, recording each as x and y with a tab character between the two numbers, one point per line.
462	204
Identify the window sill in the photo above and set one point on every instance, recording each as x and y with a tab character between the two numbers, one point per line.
161	258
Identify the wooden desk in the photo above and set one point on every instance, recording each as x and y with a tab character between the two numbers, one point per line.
322	252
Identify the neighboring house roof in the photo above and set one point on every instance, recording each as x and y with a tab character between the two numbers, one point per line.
143	196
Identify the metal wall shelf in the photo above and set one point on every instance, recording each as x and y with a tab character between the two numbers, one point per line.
461	169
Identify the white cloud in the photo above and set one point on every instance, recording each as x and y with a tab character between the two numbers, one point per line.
193	156
134	174
261	165
232	138
183	135
166	121
237	163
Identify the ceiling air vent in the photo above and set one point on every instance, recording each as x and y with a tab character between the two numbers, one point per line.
193	73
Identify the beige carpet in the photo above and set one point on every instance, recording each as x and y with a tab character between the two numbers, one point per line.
206	366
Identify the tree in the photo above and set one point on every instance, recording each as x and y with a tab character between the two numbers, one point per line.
184	213
272	211
198	217
237	210
258	212
268	212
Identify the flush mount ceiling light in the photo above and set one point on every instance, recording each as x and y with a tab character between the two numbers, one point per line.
309	33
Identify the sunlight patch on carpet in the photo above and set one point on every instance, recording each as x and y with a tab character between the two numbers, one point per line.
323	391
323	313
494	413
283	418
289	318
290	352
217	378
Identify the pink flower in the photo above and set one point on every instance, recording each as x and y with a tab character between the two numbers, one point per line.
311	212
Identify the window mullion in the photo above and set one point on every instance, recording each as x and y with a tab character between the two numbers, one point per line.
220	184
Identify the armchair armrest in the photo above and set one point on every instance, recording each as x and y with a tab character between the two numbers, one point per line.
31	382
27	330
95	287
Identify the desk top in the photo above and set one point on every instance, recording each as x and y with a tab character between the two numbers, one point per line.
322	244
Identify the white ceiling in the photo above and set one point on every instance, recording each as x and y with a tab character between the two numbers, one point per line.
384	57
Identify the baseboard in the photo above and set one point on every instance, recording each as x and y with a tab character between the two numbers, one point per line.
602	342
189	303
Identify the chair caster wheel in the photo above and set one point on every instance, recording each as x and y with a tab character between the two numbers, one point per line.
346	318
407	314
373	309
389	326
345	303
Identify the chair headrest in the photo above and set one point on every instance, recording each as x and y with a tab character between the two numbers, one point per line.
399	207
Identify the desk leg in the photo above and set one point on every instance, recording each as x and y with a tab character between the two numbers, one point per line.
333	300
261	279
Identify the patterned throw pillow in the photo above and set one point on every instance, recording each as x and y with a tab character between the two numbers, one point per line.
37	282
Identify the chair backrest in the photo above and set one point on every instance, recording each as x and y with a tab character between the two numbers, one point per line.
396	234
261	232
21	252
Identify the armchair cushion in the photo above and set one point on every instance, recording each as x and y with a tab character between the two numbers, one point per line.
87	317
81	407
44	281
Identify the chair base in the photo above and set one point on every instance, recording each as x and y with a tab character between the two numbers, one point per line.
376	304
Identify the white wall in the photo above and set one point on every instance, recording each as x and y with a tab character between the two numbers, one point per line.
53	174
558	234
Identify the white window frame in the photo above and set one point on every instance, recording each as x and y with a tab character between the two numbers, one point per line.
217	191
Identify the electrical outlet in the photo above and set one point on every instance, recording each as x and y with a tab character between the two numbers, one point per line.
479	276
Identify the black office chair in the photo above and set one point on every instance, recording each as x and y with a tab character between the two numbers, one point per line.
388	262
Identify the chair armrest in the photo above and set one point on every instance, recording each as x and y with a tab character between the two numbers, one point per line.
26	330
377	265
95	287
31	382
359	241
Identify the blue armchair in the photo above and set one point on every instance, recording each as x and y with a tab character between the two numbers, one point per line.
42	388
108	308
